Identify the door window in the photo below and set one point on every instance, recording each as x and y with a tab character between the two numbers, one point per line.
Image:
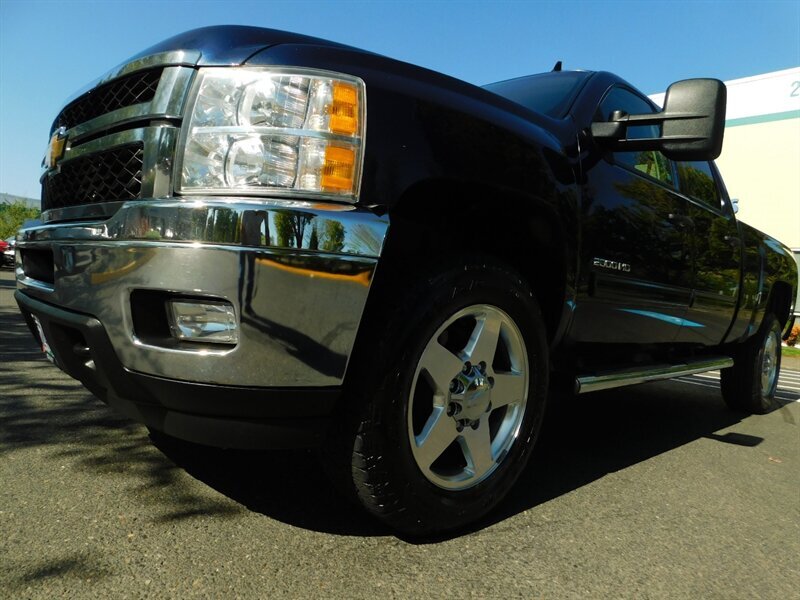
698	183
651	162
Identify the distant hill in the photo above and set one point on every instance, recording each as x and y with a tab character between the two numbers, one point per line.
11	198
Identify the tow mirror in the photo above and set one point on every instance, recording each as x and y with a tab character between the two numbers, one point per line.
692	123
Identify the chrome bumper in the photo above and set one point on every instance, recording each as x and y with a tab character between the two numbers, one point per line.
297	273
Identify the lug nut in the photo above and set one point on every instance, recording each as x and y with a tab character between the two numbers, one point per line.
482	367
491	381
467	368
460	427
475	424
453	409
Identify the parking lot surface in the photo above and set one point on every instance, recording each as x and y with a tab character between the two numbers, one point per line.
647	492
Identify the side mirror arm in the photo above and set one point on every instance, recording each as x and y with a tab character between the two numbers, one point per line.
692	123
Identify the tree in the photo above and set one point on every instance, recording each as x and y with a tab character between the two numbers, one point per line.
13	215
333	236
291	228
313	242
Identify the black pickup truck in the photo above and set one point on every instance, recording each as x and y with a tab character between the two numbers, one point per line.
257	239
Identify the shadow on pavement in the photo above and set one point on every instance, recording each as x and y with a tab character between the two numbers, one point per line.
40	407
583	440
289	486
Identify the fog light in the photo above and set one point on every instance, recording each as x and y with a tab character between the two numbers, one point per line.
209	322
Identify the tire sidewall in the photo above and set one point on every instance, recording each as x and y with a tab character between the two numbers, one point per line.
445	296
765	399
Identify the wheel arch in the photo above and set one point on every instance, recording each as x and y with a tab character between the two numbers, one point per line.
780	301
437	220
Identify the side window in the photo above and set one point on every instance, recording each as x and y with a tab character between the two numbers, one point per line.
651	163
698	183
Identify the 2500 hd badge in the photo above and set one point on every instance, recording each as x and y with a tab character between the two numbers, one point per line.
258	239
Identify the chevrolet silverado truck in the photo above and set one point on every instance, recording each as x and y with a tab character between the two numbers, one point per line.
257	239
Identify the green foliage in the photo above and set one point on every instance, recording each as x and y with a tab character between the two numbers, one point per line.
13	215
313	243
333	236
283	226
291	228
697	184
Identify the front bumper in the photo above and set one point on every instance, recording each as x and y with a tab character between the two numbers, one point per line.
297	274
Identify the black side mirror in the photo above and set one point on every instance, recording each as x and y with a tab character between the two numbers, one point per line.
692	123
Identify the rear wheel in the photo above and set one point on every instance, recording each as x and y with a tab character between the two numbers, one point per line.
751	383
449	404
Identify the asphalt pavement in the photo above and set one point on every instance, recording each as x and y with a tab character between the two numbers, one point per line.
647	492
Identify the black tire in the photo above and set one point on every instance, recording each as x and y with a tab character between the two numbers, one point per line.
380	454
750	384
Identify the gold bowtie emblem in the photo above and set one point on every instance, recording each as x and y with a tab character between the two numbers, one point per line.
55	150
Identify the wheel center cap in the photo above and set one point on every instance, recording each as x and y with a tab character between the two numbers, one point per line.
476	396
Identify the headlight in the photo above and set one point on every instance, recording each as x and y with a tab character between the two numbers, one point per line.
251	130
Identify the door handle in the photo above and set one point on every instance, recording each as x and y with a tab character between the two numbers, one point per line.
681	221
733	240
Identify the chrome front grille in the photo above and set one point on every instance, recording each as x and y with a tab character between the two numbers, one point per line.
107	176
120	139
123	92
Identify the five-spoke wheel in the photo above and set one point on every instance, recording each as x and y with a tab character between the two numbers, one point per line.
468	397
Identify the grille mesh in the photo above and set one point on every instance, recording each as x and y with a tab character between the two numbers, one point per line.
101	177
125	91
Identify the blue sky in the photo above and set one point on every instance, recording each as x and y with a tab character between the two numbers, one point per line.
49	49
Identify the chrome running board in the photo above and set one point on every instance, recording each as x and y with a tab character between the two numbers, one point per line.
613	379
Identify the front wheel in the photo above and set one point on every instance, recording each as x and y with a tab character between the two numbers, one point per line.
750	384
450	403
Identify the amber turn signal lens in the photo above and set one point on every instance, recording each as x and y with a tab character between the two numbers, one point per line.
344	109
337	173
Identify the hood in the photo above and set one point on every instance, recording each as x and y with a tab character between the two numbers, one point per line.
228	44
219	45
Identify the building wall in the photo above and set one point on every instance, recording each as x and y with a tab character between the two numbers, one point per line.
760	164
760	159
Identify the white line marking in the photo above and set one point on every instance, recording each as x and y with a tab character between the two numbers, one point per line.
781	394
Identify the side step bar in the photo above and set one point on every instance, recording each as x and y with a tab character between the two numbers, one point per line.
613	379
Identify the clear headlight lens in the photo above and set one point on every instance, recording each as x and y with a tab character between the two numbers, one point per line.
256	129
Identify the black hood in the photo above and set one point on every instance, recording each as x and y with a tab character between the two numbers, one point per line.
230	44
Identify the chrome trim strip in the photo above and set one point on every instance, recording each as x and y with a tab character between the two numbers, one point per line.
342	230
27	282
104	143
654	373
188	58
157	167
121	116
100	210
281	131
173	88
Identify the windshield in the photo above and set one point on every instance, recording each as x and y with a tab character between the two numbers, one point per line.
548	93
